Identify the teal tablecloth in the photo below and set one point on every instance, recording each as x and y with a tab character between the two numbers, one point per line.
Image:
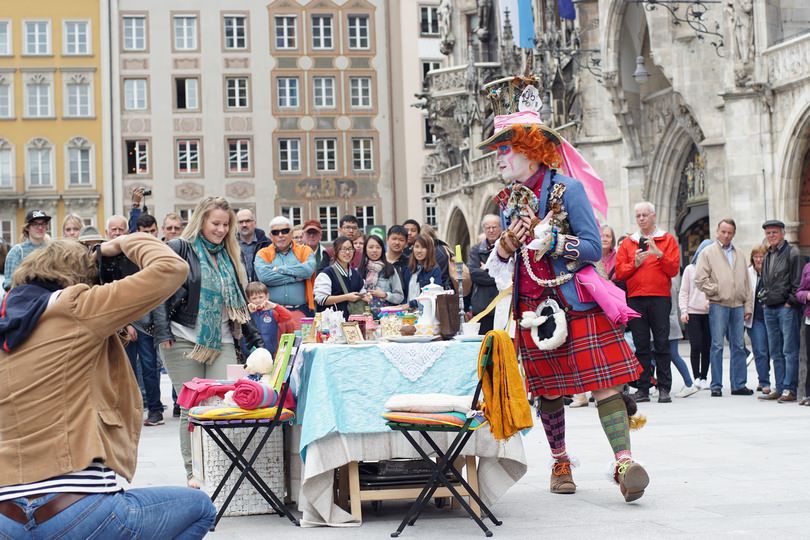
343	387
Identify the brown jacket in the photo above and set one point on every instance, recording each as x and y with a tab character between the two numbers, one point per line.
721	282
67	393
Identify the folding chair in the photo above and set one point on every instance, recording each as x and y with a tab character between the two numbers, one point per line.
444	471
216	420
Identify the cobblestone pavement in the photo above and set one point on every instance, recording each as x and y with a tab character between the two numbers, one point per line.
719	467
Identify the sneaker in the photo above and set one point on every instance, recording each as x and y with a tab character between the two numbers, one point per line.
786	396
653	391
155	418
742	392
176	411
561	480
687	391
580	400
805	401
640	397
770	396
663	396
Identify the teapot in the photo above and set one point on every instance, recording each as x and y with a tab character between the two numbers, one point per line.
428	324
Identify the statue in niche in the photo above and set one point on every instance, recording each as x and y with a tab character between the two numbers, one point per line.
446	27
484	13
741	14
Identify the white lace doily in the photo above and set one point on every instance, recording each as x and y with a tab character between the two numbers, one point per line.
413	359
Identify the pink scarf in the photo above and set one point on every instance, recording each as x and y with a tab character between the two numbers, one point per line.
373	269
591	287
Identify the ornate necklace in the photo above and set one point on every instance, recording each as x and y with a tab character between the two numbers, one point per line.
555	282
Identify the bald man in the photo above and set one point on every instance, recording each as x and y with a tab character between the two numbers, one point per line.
117	225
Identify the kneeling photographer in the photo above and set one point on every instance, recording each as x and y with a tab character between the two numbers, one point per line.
70	408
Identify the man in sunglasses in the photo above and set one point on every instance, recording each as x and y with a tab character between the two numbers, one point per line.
287	269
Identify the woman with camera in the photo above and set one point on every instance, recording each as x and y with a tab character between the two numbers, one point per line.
70	408
339	285
198	326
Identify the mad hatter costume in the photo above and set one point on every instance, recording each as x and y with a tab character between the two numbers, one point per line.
567	314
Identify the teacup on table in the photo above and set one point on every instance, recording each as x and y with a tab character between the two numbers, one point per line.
470	328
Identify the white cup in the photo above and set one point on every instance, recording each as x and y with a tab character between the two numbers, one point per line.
470	328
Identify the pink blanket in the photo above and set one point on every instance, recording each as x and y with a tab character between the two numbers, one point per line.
198	390
252	395
594	288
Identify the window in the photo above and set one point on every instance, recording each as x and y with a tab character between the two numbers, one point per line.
361	154
40	164
38	99
185	33
188	156
37	37
237	92
6	227
134	33
137	157
135	95
429	17
324	92
328	216
5	38
285	33
358	32
287	92
186	93
239	155
185	214
325	155
365	216
78	99
429	139
6	99
6	165
430	203
235	32
294	214
429	65
289	155
77	37
360	92
80	161
322	32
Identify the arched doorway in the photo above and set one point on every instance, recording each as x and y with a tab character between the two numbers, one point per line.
692	205
804	207
458	232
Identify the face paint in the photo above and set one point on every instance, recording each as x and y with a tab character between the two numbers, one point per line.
513	165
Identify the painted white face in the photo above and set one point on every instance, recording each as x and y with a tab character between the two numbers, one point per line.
512	165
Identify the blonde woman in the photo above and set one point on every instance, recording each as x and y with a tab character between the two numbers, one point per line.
72	226
198	326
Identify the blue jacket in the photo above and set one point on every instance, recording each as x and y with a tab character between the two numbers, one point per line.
422	278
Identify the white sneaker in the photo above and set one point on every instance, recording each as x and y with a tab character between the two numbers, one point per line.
687	391
653	391
702	384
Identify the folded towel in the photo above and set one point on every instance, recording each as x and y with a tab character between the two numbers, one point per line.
198	390
253	395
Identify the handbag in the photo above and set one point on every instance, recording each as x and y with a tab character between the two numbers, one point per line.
358	307
447	315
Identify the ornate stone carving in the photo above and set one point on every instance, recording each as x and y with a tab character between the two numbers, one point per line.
136	125
237	63
484	13
448	38
188	125
239	124
240	190
189	191
788	62
741	18
186	63
135	63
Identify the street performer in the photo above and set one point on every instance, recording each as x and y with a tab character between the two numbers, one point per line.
568	315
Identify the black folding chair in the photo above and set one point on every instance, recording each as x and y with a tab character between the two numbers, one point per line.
216	429
444	471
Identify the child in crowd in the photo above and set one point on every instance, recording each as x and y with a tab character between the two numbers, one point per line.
272	320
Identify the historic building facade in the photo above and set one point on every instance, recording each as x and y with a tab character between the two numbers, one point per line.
704	124
53	102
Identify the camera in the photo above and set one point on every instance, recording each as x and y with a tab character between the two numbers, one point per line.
113	268
147	192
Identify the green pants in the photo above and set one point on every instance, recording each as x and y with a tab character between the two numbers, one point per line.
182	369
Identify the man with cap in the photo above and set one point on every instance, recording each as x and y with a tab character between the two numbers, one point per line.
35	234
312	238
781	275
89	236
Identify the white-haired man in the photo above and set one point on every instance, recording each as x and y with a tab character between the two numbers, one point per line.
647	261
287	269
484	289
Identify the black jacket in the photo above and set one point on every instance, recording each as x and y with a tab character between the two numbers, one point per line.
261	242
484	289
184	305
781	275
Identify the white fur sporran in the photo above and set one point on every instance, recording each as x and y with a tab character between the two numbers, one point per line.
535	320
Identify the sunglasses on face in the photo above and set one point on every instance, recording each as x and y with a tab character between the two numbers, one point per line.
277	232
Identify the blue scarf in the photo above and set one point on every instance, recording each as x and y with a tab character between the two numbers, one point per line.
219	290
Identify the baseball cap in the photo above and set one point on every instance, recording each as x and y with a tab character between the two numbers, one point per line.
313	224
36	214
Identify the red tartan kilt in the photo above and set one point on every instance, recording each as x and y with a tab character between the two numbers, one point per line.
594	356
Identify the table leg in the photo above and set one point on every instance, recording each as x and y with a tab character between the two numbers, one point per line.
342	487
354	491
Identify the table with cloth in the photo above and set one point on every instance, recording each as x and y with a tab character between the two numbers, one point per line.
341	392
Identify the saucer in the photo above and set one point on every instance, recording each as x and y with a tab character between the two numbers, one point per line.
469	338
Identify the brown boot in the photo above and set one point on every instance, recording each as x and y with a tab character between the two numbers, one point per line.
561	479
632	480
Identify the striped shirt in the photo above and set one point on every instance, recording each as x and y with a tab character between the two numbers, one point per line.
94	479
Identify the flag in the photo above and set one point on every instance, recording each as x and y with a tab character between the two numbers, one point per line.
525	24
567	10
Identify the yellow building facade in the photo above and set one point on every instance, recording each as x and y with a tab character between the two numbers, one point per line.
53	105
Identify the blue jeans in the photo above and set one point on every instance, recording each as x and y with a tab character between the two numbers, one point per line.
759	342
725	320
144	354
161	512
680	365
782	323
